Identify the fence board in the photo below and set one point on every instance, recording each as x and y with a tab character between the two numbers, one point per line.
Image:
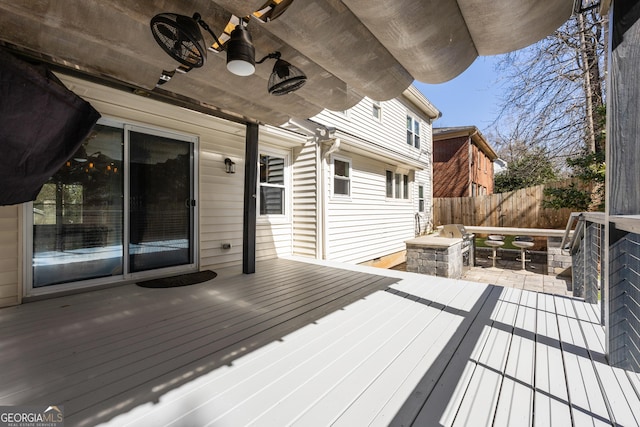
520	208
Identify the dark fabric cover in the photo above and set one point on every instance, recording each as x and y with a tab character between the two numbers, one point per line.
42	124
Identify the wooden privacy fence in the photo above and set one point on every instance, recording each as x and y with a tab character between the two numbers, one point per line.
520	208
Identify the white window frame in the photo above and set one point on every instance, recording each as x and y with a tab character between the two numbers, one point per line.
376	106
400	185
421	198
276	218
412	129
333	177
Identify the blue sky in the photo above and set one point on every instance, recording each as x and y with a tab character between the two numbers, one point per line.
472	98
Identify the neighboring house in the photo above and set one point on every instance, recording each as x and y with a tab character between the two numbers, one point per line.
158	189
499	166
462	162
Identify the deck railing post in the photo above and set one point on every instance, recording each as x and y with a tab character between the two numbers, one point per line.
578	262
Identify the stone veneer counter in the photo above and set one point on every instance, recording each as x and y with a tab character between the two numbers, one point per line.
435	256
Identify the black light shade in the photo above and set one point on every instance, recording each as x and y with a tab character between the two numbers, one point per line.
241	59
285	78
180	37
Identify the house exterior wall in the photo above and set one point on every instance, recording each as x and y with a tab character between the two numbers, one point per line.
365	226
481	171
219	194
461	169
10	255
368	225
451	166
305	203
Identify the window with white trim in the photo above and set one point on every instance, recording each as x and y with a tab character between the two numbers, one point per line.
376	110
273	184
420	198
341	177
397	185
413	131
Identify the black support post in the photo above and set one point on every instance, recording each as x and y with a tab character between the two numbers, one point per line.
250	184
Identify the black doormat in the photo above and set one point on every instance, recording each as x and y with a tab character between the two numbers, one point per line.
181	280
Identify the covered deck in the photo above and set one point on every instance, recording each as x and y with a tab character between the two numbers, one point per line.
315	343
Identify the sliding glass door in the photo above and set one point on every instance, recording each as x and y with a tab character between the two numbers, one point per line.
123	204
161	202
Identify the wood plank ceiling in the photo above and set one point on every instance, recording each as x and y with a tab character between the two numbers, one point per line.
348	48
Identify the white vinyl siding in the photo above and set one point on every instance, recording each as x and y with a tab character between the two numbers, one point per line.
373	222
305	219
389	133
10	255
365	226
426	218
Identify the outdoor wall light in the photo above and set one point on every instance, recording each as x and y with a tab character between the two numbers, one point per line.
285	78
180	37
229	165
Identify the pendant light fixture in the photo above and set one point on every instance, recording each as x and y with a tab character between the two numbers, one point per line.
241	55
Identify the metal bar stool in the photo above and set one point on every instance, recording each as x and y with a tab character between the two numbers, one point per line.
524	243
494	241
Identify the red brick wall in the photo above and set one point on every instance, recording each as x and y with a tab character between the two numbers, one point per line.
482	171
451	168
454	171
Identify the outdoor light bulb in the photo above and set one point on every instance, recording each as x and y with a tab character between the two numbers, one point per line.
240	52
241	68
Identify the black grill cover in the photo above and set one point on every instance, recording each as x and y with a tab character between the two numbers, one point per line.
42	124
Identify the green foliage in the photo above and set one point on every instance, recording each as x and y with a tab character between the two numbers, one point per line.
531	168
567	197
588	168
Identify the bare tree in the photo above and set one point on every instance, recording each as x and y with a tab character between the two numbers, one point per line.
554	90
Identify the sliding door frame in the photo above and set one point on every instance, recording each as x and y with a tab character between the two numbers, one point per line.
127	277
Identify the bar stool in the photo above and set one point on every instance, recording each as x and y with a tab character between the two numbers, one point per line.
524	243
494	241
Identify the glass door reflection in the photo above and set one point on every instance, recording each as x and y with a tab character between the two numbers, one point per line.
160	202
78	214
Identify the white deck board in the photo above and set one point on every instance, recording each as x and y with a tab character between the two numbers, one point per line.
480	400
443	399
313	344
348	389
516	395
551	400
587	402
404	376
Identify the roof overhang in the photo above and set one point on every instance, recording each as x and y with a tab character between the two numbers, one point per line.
348	48
466	131
356	145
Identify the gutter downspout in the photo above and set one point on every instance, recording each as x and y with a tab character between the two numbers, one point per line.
324	175
319	134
